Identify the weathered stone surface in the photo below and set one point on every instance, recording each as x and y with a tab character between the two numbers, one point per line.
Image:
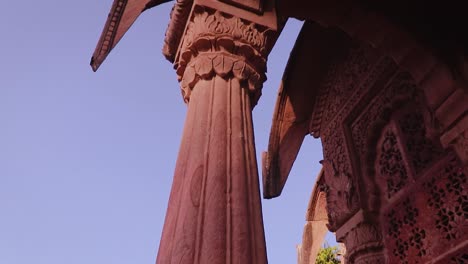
394	153
214	213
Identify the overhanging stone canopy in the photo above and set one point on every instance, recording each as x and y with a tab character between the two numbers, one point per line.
385	94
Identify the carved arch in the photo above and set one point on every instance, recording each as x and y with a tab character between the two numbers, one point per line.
400	96
378	119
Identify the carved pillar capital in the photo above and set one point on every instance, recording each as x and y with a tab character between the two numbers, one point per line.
217	43
362	238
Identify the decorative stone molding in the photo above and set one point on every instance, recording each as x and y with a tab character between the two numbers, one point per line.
221	44
347	89
393	91
363	240
122	15
179	15
108	37
215	24
206	65
342	81
340	193
400	88
362	237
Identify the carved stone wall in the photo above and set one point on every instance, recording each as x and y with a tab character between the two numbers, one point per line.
383	157
345	84
423	190
417	178
430	220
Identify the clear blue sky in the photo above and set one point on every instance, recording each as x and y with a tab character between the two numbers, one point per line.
86	159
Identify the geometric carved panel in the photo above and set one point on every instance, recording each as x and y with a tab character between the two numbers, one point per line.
448	200
406	239
404	150
431	218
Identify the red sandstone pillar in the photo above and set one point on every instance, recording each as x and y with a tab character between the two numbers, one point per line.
214	212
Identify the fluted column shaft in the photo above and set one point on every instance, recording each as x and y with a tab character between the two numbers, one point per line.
214	214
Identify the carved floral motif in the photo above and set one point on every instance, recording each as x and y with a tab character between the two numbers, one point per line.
341	195
206	65
400	88
346	85
390	166
215	23
342	84
344	79
218	43
211	30
334	149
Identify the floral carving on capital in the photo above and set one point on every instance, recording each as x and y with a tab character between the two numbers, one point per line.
216	24
225	65
216	43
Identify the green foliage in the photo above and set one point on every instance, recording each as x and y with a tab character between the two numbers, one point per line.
328	255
